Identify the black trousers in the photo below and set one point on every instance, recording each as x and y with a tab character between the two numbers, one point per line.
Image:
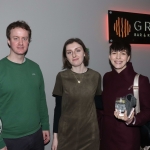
31	142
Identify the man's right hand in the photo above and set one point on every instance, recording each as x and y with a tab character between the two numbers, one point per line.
5	148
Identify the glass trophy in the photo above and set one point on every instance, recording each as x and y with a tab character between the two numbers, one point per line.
120	105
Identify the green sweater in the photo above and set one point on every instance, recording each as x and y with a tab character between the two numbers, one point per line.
23	108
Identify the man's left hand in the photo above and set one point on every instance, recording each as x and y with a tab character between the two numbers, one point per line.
46	136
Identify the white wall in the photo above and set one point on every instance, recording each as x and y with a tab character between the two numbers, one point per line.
54	21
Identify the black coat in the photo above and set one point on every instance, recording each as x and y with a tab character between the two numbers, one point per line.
115	134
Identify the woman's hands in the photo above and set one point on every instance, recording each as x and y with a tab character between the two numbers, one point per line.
55	142
124	117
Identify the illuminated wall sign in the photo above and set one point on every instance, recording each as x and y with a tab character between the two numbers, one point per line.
131	27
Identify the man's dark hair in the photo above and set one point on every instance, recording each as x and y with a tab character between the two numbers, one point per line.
18	24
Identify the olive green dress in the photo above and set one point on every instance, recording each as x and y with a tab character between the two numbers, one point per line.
78	125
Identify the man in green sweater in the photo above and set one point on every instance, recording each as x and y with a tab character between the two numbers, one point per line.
23	108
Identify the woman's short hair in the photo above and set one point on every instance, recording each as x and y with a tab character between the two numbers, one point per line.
119	46
66	63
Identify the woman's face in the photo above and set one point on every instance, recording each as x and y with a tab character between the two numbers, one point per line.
75	54
119	59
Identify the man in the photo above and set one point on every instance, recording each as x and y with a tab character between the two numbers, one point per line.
23	108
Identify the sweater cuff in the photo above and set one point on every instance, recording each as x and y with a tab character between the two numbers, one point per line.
2	143
45	127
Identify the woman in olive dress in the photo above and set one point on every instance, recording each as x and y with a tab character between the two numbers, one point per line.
75	118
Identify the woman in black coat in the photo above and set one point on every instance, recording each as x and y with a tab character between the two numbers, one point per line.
120	132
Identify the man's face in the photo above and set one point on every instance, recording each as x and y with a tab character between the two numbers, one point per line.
19	41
